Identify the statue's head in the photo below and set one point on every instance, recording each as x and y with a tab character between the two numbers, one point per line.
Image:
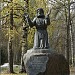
40	12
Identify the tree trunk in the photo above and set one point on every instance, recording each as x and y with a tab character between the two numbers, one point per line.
24	40
24	48
10	51
72	45
68	32
10	56
22	69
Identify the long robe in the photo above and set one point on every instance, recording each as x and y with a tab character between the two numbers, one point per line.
41	35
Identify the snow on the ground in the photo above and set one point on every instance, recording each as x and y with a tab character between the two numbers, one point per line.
6	65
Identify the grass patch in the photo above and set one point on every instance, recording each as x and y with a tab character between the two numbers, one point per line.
15	74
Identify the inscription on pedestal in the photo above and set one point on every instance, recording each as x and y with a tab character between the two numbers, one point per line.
36	64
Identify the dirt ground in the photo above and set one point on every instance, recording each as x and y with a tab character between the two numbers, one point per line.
72	71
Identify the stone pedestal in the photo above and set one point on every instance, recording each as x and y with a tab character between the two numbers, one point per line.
45	62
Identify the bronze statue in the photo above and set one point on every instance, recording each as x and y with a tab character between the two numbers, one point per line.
40	22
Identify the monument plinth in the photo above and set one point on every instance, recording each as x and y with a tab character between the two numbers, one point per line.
35	62
45	62
40	60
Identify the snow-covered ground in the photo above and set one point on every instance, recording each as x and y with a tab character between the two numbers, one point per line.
6	65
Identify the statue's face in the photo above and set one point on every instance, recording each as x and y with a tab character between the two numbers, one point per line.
40	12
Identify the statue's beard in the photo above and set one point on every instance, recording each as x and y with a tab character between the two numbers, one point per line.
40	16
